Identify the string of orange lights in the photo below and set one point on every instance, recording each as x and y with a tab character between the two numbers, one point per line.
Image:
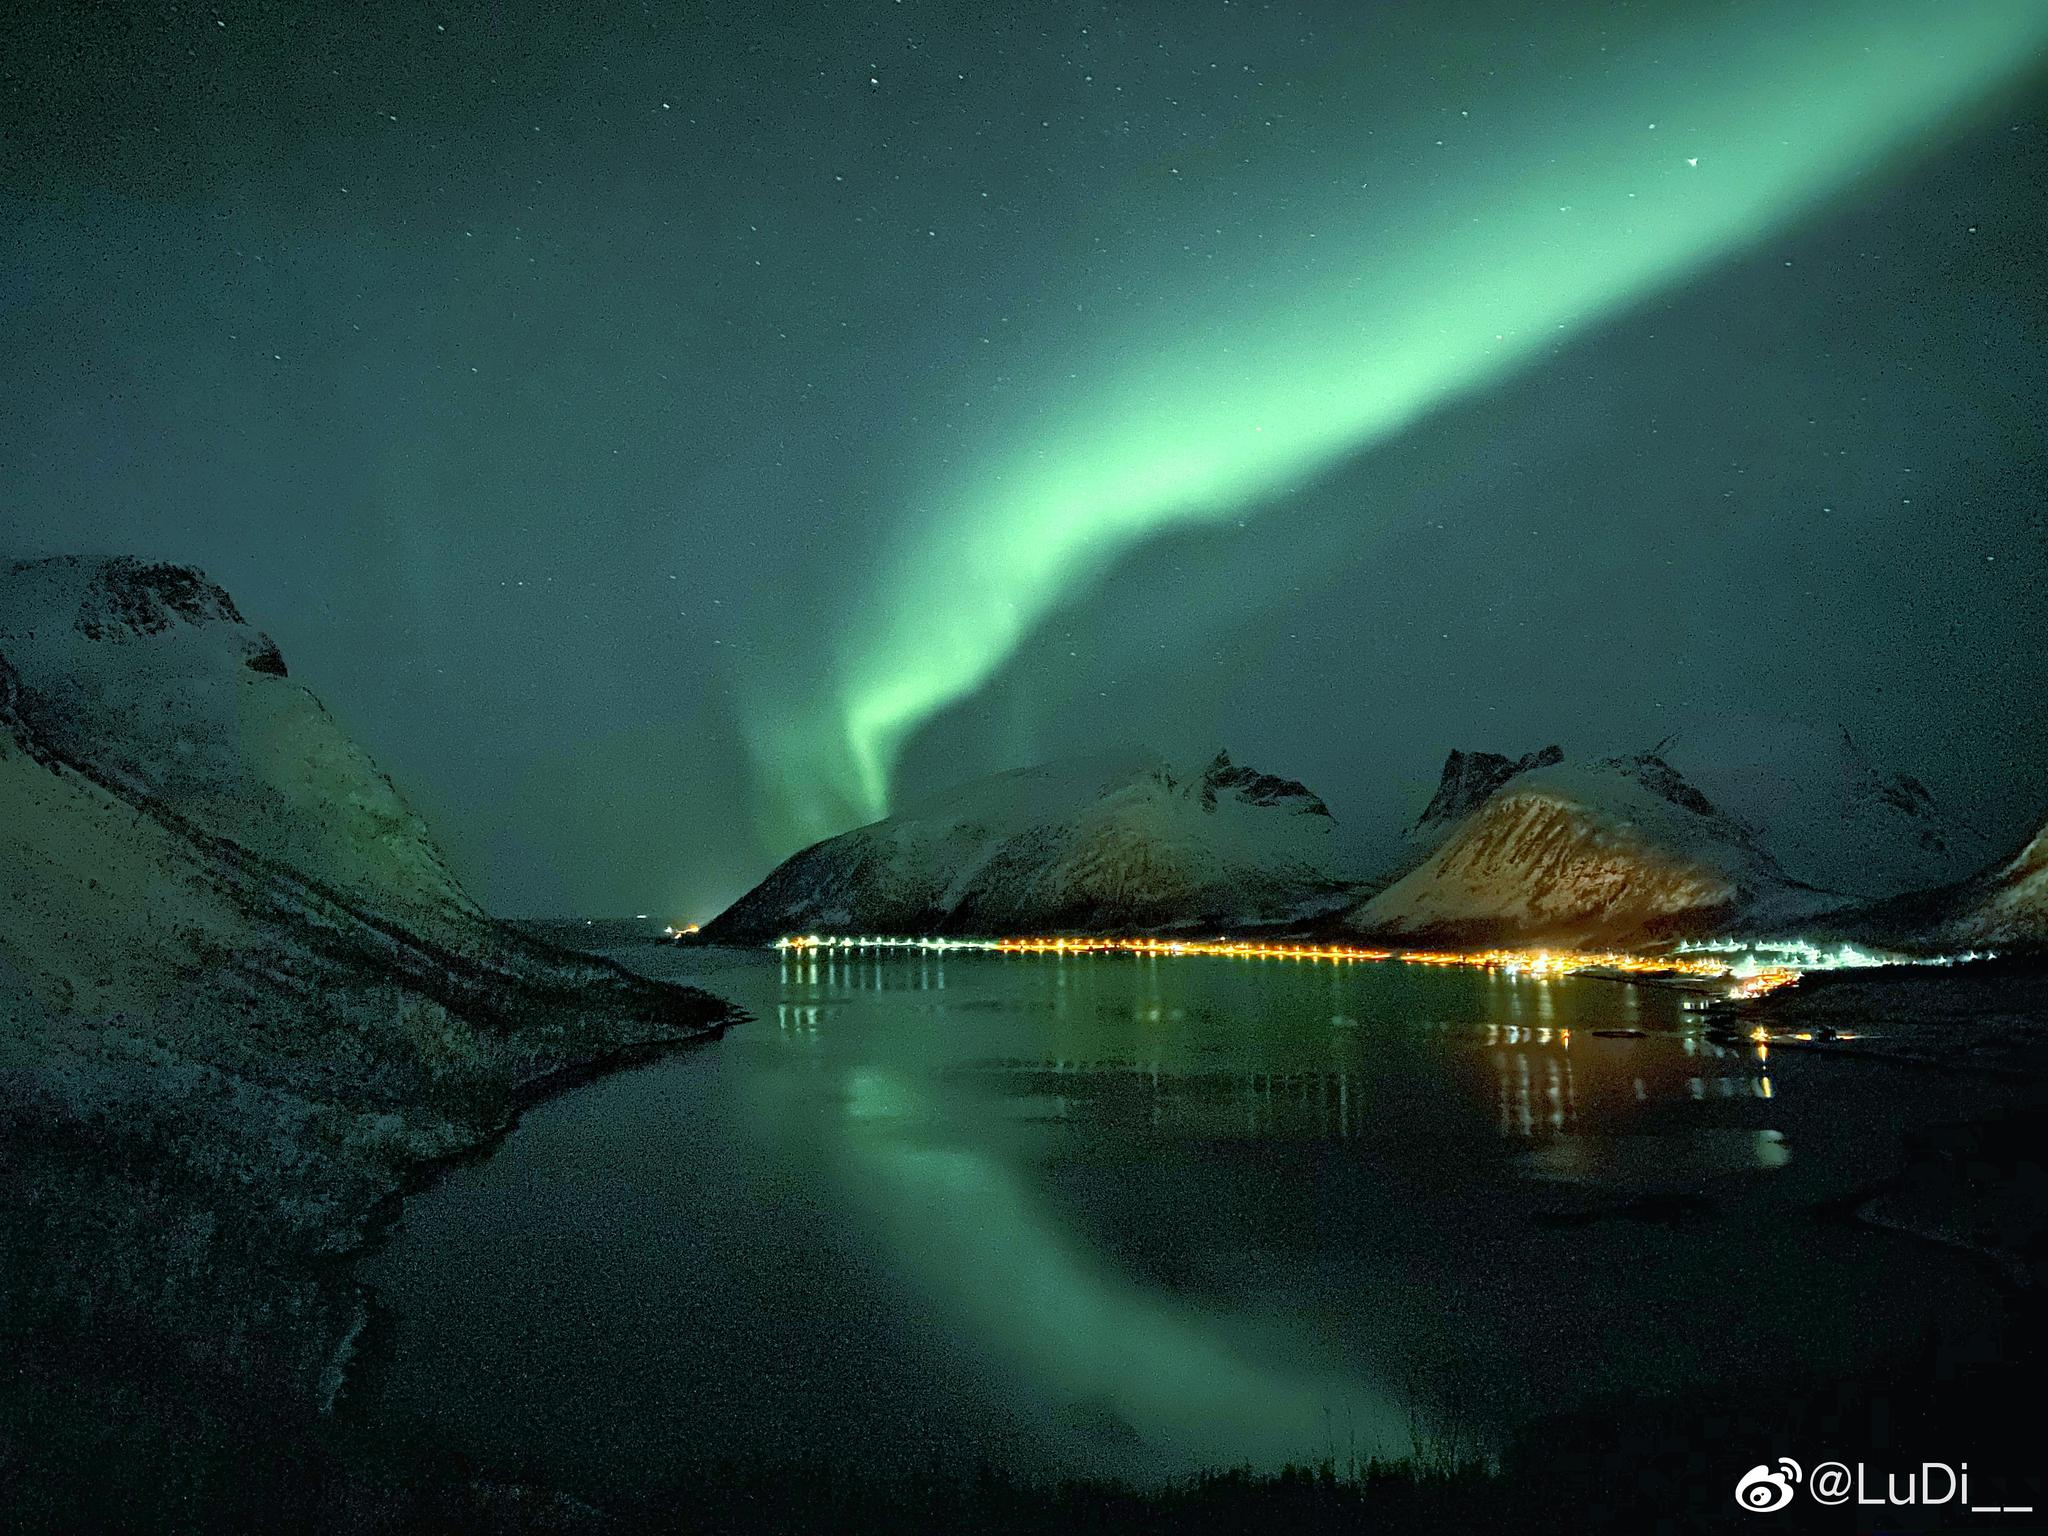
1517	962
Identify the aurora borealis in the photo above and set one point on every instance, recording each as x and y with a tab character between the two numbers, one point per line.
1212	395
666	436
896	766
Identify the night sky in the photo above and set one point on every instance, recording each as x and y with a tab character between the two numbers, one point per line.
667	434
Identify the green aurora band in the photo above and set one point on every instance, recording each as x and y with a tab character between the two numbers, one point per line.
1415	284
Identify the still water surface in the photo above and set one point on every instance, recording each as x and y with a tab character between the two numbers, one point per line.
1137	1216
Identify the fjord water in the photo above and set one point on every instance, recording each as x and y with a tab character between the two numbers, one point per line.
1136	1216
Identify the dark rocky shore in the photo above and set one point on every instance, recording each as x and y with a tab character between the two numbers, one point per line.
244	1007
1979	1185
181	1235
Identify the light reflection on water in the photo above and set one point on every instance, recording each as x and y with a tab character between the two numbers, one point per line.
1137	1215
1150	1371
1533	1061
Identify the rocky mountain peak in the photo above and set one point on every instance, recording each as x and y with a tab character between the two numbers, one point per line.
1665	782
1470	777
1255	788
11	723
128	597
146	677
1812	794
63	600
1901	792
1079	846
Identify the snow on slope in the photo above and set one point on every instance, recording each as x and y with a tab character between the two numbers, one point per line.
188	841
85	884
149	677
2007	905
1468	779
1830	815
233	1015
1571	852
1087	846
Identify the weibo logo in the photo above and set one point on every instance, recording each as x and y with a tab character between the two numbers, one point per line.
1764	1489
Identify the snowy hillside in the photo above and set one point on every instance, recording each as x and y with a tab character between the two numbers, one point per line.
189	842
1571	852
1832	817
1468	779
2013	905
1999	908
147	677
1087	846
240	999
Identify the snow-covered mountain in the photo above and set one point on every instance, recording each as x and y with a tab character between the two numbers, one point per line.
1832	817
147	677
1098	845
1468	778
178	816
2003	907
1556	851
2006	905
241	996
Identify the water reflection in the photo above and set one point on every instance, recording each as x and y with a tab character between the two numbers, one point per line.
796	1018
1535	1089
1237	1104
1291	1083
1088	1213
1136	1054
1141	1370
1639	1164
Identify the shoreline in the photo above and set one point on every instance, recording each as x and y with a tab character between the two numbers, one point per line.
859	1498
269	1157
368	1340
